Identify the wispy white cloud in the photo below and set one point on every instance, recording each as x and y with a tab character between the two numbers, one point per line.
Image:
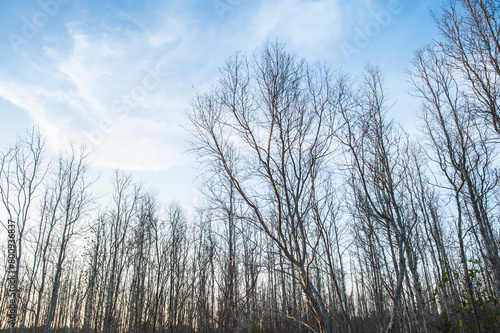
124	85
31	98
108	87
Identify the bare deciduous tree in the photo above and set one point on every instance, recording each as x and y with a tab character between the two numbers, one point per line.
268	126
471	43
72	186
463	151
120	215
21	173
378	169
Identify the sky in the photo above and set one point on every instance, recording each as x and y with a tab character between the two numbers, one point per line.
119	75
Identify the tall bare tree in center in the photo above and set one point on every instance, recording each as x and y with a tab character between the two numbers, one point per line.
268	127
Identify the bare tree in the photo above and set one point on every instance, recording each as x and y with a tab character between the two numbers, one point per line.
464	152
177	262
120	215
161	272
268	127
471	44
332	235
94	254
141	248
44	242
21	173
72	186
375	149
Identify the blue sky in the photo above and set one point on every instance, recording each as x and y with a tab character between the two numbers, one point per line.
119	74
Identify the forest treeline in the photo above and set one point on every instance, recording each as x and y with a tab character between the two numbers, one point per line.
320	213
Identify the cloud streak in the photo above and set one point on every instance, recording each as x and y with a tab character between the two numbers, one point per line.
122	80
